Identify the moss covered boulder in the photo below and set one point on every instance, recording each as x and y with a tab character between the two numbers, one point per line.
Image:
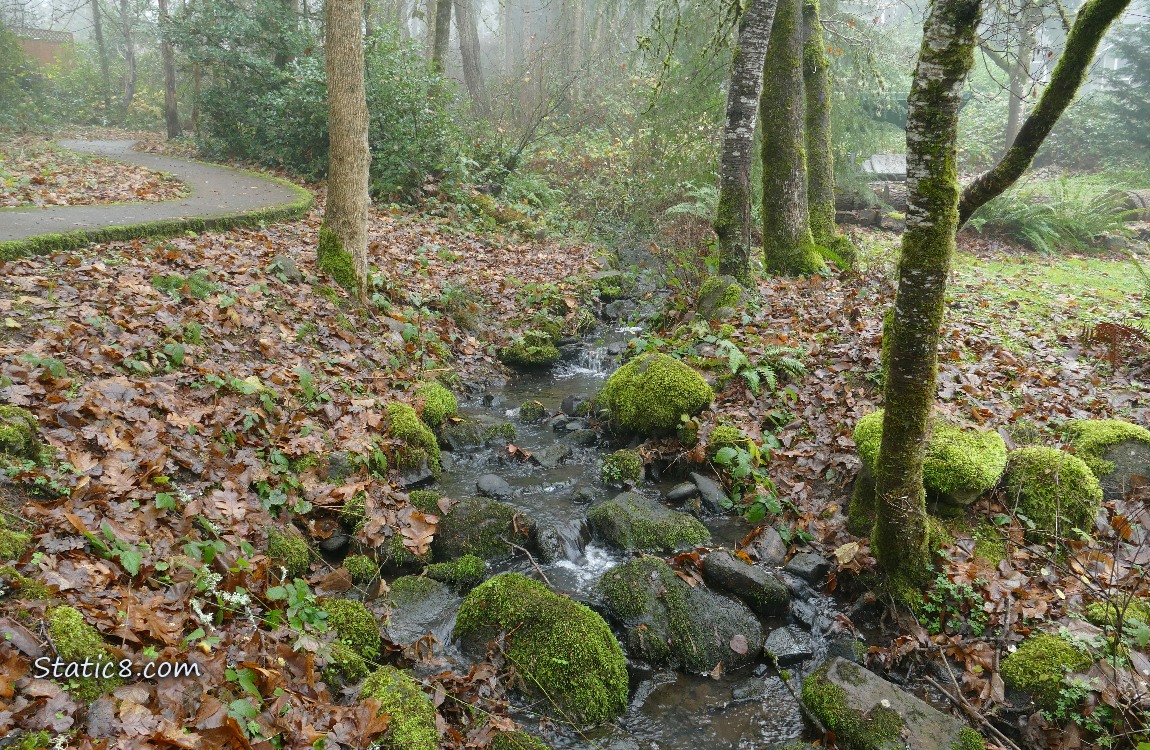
1039	665
18	433
868	713
669	622
418	605
1115	451
717	293
534	350
289	550
483	528
1055	490
621	467
649	394
633	522
354	625
361	568
438	403
962	463
411	714
564	653
414	445
75	641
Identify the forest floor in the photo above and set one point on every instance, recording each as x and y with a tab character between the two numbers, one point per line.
181	381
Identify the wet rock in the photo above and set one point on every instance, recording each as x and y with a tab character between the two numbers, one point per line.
584	495
632	522
573	405
667	621
810	566
681	493
804	613
768	548
415	476
615	348
551	456
615	310
548	543
418	605
558	422
849	649
334	543
284	267
494	486
868	713
482	528
789	645
585	437
575	425
715	500
764	594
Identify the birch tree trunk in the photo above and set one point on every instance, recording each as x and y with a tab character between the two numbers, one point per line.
820	162
467	24
900	538
788	247
171	114
102	49
442	34
733	218
342	250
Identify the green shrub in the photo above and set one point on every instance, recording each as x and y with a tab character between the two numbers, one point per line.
621	467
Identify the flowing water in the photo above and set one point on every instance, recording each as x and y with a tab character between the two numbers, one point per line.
751	708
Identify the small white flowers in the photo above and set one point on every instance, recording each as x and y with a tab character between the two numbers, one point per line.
884	703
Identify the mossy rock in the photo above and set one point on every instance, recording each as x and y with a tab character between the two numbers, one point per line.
1054	489
563	651
517	741
74	641
1135	614
354	625
361	568
27	589
550	325
632	522
463	574
531	412
622	467
649	394
396	557
669	622
483	528
717	292
438	403
417	444
411	714
962	462
12	543
18	433
289	550
1039	666
534	350
418	604
1115	451
427	501
344	667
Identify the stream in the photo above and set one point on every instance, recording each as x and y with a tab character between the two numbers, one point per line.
749	708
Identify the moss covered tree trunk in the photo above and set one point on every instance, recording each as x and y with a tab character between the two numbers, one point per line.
442	34
788	247
900	538
467	25
1090	25
342	250
820	162
733	219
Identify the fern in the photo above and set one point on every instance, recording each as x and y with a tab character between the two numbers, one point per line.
703	204
776	363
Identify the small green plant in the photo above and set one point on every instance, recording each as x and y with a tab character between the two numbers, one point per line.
304	615
111	547
954	608
197	285
751	488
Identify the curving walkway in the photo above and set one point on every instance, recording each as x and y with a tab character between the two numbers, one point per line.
218	196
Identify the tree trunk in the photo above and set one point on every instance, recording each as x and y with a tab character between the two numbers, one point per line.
429	7
342	250
468	27
1028	21
787	244
102	49
171	114
820	162
733	219
900	538
129	58
1069	74
442	34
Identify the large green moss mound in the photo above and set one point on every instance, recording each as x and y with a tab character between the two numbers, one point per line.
75	641
534	350
289	550
564	652
355	625
650	394
632	522
417	443
411	714
961	463
18	433
1092	438
438	403
1055	490
1039	665
483	528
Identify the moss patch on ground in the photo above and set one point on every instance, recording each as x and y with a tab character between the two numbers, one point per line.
290	550
411	722
74	641
18	433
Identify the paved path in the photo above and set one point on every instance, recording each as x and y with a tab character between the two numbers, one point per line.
214	192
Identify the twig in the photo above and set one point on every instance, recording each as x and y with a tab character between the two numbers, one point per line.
529	557
974	713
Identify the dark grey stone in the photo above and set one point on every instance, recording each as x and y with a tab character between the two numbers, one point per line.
768	548
615	348
416	476
559	422
711	492
334	543
493	486
789	645
849	649
585	437
414	615
681	493
572	405
548	544
1131	458
551	456
803	613
285	268
810	566
761	591
575	425
339	466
